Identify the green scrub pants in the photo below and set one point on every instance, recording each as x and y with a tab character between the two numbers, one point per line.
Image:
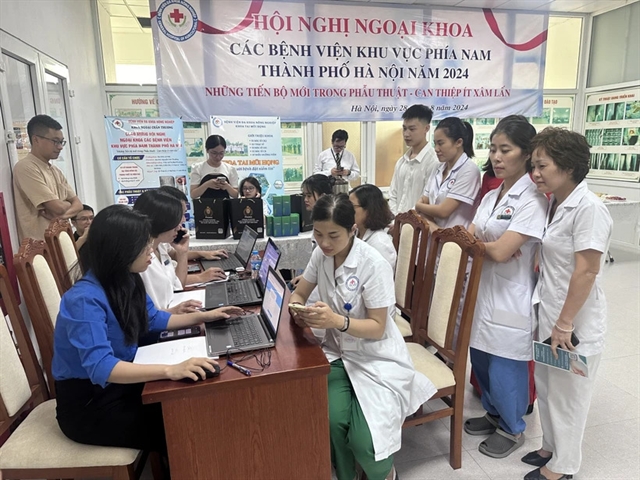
350	435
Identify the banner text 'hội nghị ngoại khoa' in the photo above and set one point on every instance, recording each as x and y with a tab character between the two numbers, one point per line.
321	62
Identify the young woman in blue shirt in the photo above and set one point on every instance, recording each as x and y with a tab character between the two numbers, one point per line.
101	319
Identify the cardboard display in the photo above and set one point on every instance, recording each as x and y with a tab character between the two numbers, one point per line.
211	218
246	211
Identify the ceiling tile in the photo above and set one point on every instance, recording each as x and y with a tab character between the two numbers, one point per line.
481	3
567	5
443	3
141	11
601	5
122	22
525	4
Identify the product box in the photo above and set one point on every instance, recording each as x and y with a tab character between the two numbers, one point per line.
277	206
277	226
286	226
295	224
269	219
286	205
297	206
211	218
246	212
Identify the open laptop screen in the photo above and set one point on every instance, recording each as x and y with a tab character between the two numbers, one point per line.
273	300
245	244
269	260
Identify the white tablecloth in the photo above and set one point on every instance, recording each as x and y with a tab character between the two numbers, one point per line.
296	251
626	222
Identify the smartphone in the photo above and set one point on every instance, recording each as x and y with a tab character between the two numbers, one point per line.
179	236
181	333
296	307
193	268
574	340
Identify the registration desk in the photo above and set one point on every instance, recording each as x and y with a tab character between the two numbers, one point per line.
273	424
296	251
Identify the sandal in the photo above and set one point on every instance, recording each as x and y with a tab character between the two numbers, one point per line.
535	459
501	444
537	475
481	425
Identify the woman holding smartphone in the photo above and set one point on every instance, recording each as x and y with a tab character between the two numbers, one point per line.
373	385
214	178
101	319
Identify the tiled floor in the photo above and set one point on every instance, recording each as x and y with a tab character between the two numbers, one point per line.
610	449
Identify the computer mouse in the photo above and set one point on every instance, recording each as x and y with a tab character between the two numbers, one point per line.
209	373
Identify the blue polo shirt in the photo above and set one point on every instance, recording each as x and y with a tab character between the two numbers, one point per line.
88	340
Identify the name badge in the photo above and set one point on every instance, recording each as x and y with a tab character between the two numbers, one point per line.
506	213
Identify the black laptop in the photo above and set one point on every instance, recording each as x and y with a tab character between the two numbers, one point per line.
240	257
244	292
250	332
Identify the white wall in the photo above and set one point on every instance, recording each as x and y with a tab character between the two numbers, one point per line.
64	30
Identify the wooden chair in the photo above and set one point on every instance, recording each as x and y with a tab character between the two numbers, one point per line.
64	253
37	448
42	292
459	257
410	238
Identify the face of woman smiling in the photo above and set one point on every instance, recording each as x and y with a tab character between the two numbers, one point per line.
332	239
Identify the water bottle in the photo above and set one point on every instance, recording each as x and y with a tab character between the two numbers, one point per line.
256	262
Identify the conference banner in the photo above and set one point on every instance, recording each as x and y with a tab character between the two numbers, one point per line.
254	148
313	61
145	153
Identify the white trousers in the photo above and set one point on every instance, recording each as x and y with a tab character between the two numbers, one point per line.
563	402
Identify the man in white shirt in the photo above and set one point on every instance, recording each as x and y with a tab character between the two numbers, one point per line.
414	168
328	159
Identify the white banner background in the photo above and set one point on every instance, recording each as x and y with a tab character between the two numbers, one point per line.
314	62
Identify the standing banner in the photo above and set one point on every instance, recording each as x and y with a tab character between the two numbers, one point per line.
145	153
612	128
313	61
254	148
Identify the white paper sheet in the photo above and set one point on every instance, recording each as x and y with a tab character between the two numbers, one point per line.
172	352
179	297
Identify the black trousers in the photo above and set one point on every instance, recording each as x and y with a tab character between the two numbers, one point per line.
113	416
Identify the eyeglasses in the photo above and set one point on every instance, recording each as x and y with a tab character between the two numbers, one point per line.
56	142
84	219
215	154
249	188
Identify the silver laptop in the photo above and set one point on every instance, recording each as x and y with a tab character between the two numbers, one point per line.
250	332
240	257
244	292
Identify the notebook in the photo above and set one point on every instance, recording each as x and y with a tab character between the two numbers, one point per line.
250	332
240	257
244	292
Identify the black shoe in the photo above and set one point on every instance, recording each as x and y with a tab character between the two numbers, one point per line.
537	475
529	409
535	459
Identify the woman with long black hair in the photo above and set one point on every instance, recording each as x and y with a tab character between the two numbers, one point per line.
96	338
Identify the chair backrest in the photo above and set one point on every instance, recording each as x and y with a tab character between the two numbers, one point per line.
21	379
59	238
42	296
456	257
410	237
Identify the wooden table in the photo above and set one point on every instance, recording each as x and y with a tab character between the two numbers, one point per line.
274	424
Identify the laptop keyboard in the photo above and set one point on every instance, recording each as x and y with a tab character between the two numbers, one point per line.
228	263
239	292
243	332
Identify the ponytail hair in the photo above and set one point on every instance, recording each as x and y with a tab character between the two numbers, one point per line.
455	129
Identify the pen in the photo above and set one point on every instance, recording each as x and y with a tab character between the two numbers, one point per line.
240	368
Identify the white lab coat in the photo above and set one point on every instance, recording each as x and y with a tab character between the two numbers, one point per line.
382	242
462	184
160	279
383	377
581	222
326	161
503	320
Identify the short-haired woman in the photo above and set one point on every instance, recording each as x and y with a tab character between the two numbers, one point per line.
569	297
373	385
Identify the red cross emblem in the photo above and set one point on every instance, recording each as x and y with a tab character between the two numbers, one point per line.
176	15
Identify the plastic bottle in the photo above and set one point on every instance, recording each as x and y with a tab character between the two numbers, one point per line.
256	262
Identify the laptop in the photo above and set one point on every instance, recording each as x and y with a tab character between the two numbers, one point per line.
251	332
240	257
244	292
